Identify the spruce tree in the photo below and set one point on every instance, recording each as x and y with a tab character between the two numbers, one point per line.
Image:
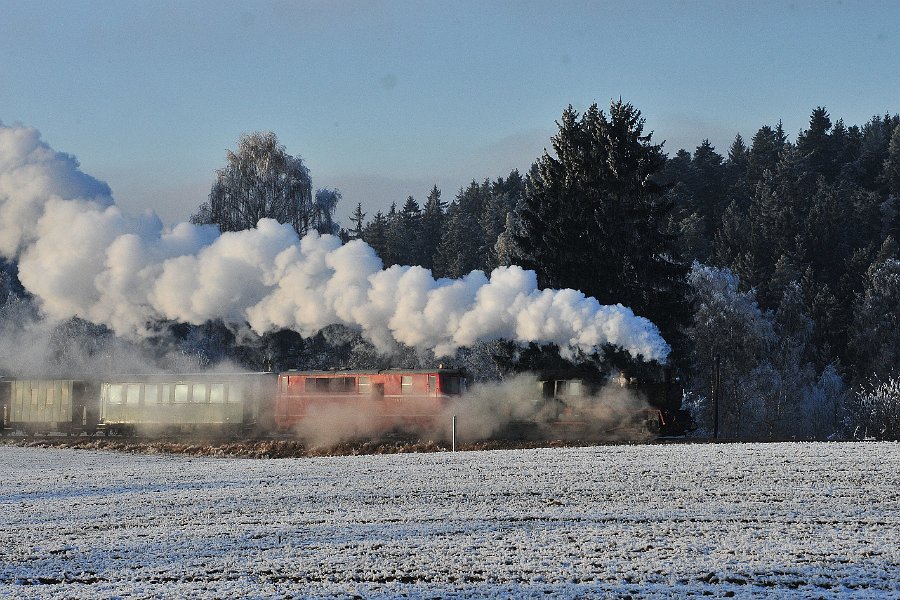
594	216
891	174
432	224
409	252
358	219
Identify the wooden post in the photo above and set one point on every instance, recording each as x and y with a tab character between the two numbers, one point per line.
453	435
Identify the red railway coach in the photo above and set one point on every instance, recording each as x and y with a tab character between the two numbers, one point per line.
387	400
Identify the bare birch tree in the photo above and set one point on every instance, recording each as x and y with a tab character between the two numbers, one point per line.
261	180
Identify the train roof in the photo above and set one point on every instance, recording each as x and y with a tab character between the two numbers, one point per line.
347	372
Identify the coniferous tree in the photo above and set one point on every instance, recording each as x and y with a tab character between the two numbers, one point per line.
594	216
358	219
765	152
816	146
393	238
876	325
432	224
891	173
502	197
461	239
375	235
738	161
409	252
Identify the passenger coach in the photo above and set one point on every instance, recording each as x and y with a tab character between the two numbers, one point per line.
48	405
210	403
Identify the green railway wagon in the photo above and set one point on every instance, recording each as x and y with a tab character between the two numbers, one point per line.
204	403
48	405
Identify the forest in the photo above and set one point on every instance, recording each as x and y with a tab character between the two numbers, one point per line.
772	267
778	258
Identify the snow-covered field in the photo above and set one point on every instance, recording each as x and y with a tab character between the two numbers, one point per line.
786	520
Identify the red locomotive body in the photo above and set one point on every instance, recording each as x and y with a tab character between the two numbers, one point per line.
386	400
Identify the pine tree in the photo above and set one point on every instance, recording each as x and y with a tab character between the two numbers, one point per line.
891	174
462	244
358	219
432	224
375	235
815	145
738	160
765	152
393	237
594	216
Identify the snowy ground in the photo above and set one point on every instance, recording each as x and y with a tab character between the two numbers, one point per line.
785	520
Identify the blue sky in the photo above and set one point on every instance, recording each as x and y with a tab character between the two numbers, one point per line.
384	99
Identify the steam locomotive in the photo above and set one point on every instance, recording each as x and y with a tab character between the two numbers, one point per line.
376	403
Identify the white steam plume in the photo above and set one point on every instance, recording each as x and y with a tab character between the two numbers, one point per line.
81	256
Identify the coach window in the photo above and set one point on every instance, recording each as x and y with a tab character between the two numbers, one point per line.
151	393
406	384
115	395
561	387
165	393
181	393
133	394
365	386
217	393
449	384
35	394
50	395
343	385
432	383
575	388
199	393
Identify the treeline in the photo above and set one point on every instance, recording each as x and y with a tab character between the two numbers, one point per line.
777	260
450	239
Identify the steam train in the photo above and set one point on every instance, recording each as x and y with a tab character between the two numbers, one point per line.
294	402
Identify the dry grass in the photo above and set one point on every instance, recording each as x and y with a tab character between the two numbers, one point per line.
269	448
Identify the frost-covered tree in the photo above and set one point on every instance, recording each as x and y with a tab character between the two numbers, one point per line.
729	325
791	360
875	410
261	180
323	211
891	174
875	334
824	406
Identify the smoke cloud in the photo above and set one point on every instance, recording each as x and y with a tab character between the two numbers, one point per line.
80	255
